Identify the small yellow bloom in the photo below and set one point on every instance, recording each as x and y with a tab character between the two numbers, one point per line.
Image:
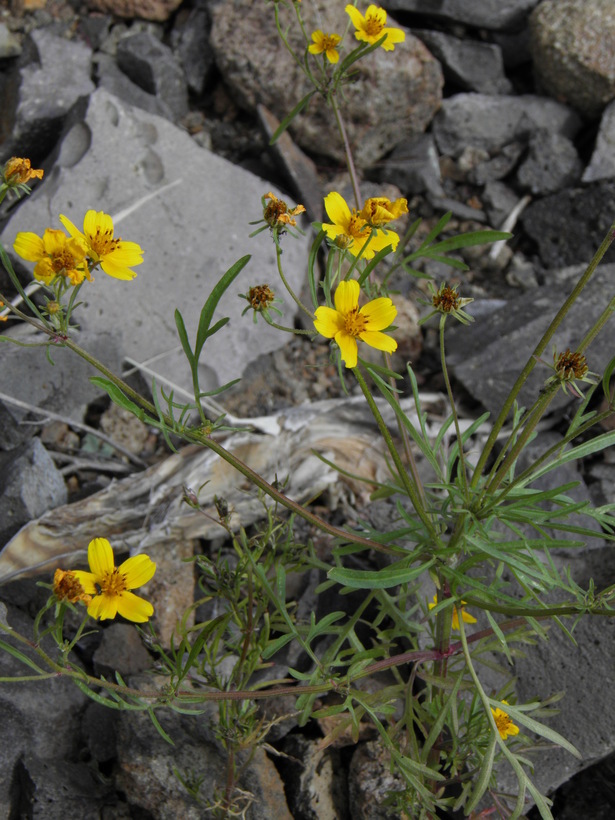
378	210
348	322
115	256
55	255
465	616
277	214
327	44
350	229
503	723
18	171
67	587
110	585
372	27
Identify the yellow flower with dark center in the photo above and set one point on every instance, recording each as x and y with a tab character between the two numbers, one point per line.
110	586
378	210
327	44
277	214
503	723
372	27
55	255
347	322
465	616
67	587
349	229
115	256
19	170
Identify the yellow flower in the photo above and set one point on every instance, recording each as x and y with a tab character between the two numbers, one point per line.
277	214
378	210
503	723
371	28
465	616
18	171
115	256
350	230
67	587
348	322
55	255
110	585
326	43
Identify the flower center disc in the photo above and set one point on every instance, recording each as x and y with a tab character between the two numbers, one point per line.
114	583
373	26
355	323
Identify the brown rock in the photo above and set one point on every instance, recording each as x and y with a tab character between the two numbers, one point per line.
573	49
159	10
392	95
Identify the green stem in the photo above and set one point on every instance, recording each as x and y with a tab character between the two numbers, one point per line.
294	330
462	464
409	487
354	180
538	350
298	302
595	330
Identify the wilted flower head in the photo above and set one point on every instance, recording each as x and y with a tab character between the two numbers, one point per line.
277	214
260	299
347	322
378	210
503	723
372	27
325	44
569	367
67	587
446	301
19	171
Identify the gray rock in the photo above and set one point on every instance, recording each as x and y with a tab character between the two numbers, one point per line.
392	95
552	163
490	14
569	226
64	387
413	166
499	200
9	44
470	64
602	163
572	52
488	356
496	167
492	122
313	779
191	45
48	91
121	649
152	66
191	234
113	80
30	485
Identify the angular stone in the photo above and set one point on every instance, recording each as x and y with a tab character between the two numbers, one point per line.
159	10
573	52
392	95
490	14
413	166
491	123
191	44
602	163
469	64
189	210
48	91
152	66
552	163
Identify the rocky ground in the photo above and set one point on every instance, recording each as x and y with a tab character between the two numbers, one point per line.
159	113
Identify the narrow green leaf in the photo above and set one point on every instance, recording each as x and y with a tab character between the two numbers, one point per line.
290	117
183	336
482	780
379	579
212	302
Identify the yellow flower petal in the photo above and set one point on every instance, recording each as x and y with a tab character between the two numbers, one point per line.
100	557
87	581
378	340
348	348
103	607
29	246
347	296
379	313
133	608
328	322
337	209
137	570
70	227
